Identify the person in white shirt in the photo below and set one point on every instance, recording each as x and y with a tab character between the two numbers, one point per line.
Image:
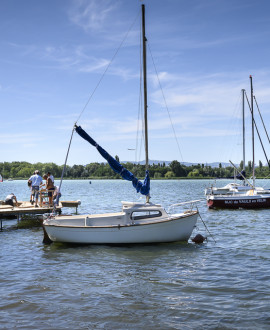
36	182
10	199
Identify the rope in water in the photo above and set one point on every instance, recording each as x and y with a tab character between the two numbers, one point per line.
205	225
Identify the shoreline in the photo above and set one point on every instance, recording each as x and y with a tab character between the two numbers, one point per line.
152	179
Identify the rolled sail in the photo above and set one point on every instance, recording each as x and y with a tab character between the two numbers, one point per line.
142	187
241	176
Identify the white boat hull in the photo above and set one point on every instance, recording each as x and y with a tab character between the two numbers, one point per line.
172	230
97	230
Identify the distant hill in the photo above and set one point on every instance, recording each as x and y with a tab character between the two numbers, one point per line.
167	163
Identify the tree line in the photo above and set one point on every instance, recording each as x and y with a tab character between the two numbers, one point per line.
23	170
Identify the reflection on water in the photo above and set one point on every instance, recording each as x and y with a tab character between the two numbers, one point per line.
166	286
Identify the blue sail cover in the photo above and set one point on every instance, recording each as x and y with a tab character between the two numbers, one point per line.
239	176
142	187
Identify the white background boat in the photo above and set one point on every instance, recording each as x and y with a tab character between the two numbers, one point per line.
230	188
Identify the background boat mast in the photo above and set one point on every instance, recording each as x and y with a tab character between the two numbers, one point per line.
244	147
252	118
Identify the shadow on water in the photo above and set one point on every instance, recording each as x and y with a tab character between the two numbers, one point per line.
156	250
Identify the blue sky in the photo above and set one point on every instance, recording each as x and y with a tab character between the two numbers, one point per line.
54	53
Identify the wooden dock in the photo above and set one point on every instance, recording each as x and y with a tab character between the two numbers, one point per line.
28	208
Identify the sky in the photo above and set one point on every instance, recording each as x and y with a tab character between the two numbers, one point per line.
78	61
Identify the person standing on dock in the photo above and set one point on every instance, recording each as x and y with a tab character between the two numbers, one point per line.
36	180
50	188
49	175
29	183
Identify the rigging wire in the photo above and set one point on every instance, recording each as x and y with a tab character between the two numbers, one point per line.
261	118
90	97
258	133
64	168
166	106
107	68
232	130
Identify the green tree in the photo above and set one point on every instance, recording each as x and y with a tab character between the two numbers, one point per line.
169	175
194	174
241	165
177	168
260	166
25	173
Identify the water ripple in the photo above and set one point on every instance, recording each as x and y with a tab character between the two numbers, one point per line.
167	286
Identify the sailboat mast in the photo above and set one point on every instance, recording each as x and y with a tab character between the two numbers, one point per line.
145	87
252	118
243	113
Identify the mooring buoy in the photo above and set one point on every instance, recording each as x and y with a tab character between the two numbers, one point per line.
198	239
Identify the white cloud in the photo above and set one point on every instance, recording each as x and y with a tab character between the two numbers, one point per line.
91	15
208	95
29	145
21	139
96	65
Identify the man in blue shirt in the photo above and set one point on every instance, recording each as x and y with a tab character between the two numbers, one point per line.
36	181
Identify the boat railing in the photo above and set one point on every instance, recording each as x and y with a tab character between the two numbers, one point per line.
190	205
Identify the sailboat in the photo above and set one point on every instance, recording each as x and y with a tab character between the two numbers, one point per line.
137	222
1	178
254	197
234	187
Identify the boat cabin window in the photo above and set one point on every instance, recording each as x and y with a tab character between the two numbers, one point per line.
137	215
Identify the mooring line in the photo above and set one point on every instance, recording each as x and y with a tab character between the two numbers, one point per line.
205	225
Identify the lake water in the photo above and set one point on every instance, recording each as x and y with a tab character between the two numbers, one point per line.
222	285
